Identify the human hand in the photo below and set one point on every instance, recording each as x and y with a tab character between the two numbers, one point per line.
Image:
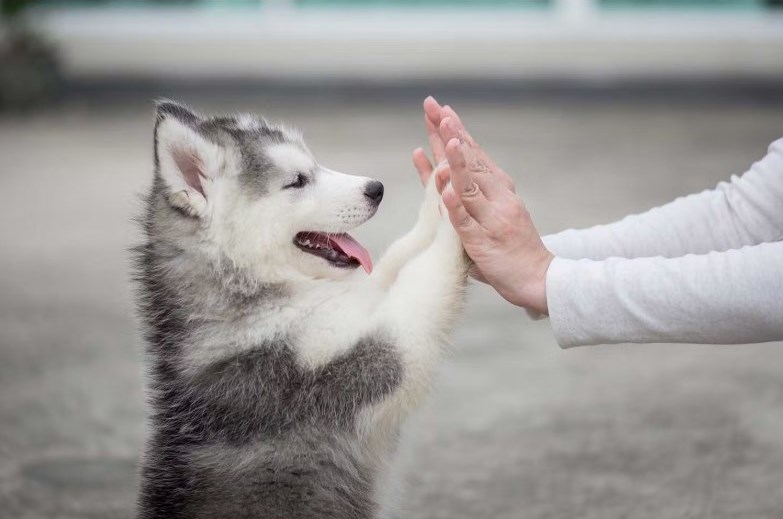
492	222
434	115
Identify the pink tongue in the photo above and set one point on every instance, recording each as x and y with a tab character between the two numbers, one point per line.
353	249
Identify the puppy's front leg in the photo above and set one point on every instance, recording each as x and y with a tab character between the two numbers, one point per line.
421	307
414	242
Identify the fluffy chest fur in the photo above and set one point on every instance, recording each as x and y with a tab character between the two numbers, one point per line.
256	421
277	376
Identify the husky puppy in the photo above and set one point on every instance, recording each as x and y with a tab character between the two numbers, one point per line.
278	370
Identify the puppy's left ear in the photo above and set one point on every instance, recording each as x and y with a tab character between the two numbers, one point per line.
187	162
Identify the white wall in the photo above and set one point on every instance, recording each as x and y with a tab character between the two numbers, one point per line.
281	41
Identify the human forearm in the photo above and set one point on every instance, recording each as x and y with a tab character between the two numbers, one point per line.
744	211
717	298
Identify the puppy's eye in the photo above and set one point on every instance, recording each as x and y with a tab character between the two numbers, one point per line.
301	181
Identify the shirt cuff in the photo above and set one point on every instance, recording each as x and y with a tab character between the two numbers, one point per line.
568	284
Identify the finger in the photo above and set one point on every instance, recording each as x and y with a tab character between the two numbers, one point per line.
432	110
460	176
486	175
448	111
422	165
448	129
457	127
464	185
468	229
437	144
487	179
442	176
462	132
451	127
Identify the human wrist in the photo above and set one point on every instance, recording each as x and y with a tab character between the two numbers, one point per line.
539	302
530	292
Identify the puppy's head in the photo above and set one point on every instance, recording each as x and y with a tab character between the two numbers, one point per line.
243	190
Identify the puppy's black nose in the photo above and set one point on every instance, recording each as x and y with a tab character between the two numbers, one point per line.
374	191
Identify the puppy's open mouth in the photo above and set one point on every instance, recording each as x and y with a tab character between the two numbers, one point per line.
340	250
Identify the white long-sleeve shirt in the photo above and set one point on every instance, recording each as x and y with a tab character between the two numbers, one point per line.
706	268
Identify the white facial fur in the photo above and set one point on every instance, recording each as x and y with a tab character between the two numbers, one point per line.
256	230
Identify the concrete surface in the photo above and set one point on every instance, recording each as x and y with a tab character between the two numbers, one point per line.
516	427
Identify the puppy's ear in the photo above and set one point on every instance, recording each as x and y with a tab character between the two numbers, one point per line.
186	160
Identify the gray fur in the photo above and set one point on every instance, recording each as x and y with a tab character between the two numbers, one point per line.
250	139
252	433
254	159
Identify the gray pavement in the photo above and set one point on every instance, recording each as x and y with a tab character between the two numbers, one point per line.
516	427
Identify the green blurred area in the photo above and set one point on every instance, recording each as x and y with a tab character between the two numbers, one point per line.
683	4
144	3
12	5
445	3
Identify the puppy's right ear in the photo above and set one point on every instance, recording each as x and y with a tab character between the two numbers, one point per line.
186	161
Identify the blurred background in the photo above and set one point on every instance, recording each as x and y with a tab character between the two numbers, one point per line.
599	108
